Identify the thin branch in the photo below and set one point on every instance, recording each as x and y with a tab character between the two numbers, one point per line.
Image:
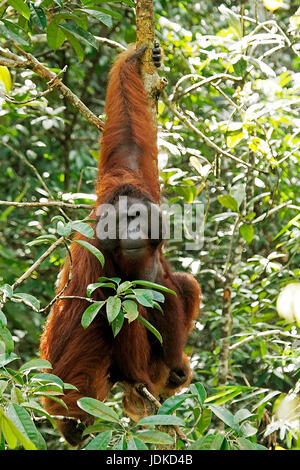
58	295
77	297
30	100
111	43
261	334
36	38
38	262
209	142
46	204
205	81
270	212
146	394
32	63
35	171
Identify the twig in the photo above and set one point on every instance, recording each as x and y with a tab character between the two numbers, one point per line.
46	204
209	142
146	394
270	212
30	100
108	42
77	297
57	296
263	333
39	261
111	43
32	63
35	171
205	81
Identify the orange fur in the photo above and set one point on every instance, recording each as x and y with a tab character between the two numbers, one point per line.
92	359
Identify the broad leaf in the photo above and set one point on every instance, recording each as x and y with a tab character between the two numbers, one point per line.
150	328
92	249
91	312
100	442
162	420
98	409
113	307
35	364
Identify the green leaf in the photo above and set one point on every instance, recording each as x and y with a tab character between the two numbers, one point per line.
205	420
229	202
98	409
233	20
28	299
21	7
14	32
6	337
81	34
242	414
35	364
171	404
92	249
55	36
22	420
91	312
150	328
238	192
48	378
247	232
6	358
247	430
100	442
240	66
204	443
136	444
54	398
83	228
32	405
42	239
224	415
144	297
245	444
3	318
109	279
12	434
37	16
154	437
124	286
158	307
113	13
63	229
75	44
162	420
198	390
117	324
91	287
153	285
99	15
131	309
113	307
7	290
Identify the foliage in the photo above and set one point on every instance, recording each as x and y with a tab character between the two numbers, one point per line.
229	142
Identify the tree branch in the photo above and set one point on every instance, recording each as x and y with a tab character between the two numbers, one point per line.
249	338
39	261
46	204
31	63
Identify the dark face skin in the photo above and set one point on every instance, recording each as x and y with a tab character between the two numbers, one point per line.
131	231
